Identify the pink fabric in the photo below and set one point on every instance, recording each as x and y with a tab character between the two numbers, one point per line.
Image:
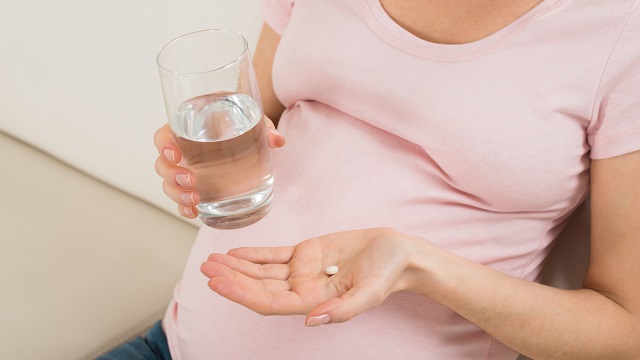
482	148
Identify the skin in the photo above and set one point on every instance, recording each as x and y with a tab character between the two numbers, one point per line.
599	321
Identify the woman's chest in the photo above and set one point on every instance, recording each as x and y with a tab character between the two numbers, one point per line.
508	127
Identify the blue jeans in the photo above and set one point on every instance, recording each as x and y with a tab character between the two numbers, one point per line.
153	346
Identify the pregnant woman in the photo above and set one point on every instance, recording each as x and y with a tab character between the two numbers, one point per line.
434	150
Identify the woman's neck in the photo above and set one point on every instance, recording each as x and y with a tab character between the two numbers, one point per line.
456	21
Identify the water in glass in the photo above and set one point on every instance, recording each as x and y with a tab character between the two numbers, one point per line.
223	140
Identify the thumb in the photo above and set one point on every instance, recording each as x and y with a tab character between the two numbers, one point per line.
352	303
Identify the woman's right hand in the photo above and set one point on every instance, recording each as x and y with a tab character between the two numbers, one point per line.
179	183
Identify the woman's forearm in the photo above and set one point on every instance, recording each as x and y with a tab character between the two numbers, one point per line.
537	320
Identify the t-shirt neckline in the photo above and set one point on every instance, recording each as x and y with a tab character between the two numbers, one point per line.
397	36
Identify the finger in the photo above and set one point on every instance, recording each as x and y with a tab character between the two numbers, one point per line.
186	198
254	271
264	255
175	175
352	303
167	148
276	139
210	269
190	212
251	293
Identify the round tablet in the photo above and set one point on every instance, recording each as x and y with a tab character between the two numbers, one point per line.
331	270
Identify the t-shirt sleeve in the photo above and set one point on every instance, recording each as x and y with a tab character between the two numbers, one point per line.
615	126
277	13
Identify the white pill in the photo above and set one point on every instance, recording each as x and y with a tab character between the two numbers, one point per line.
331	270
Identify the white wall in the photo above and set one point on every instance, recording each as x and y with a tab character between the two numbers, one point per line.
79	79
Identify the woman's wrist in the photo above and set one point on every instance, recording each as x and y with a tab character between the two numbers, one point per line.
430	268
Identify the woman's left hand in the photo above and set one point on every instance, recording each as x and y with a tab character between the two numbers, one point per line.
372	264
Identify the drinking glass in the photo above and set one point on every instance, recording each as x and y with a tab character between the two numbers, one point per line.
216	116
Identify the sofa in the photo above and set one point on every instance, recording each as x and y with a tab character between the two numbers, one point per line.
84	265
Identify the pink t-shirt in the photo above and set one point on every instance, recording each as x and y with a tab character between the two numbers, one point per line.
482	148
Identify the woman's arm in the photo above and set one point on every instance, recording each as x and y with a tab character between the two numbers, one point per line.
600	321
263	64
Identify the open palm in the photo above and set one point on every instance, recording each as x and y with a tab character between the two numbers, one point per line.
292	280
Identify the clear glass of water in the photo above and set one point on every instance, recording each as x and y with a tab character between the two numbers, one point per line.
215	113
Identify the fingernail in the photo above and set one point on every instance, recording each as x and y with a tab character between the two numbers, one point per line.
188	211
318	320
170	155
279	139
187	198
184	180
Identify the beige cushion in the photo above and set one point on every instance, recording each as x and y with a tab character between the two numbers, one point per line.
84	266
